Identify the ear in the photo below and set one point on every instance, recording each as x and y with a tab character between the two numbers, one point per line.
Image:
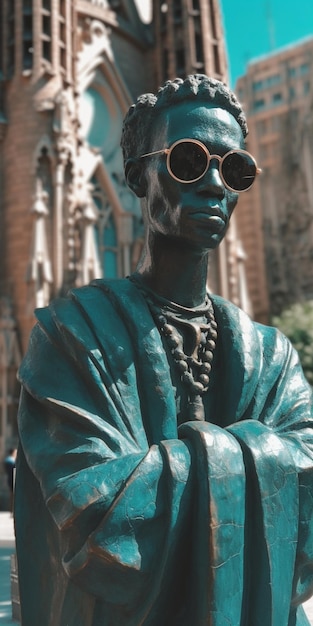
134	177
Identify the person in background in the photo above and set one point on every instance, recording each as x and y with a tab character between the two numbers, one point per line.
9	466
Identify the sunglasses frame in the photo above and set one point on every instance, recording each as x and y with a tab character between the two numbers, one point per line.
209	156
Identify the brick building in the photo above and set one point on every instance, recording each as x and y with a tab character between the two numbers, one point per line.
69	69
277	93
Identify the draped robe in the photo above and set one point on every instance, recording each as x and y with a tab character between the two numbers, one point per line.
125	519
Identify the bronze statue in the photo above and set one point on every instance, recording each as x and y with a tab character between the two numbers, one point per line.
166	445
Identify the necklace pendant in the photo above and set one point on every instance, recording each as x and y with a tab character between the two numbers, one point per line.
196	409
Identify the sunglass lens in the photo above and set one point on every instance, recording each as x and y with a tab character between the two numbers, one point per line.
239	170
188	161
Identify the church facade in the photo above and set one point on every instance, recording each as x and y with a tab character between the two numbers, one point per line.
69	70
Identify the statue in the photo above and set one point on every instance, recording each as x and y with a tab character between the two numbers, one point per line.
166	445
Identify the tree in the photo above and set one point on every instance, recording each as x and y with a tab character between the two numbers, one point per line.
296	323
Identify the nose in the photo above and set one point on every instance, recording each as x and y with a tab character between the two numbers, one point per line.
211	183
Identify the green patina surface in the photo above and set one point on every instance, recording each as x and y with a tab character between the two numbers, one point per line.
125	514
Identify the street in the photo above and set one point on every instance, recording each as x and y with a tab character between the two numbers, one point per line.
7	549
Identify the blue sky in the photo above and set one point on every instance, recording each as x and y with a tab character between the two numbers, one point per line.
256	27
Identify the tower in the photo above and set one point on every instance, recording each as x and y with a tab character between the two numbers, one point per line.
189	38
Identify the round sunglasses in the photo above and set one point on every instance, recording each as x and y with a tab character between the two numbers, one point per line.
188	160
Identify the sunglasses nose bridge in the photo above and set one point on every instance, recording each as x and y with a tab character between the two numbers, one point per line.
212	177
213	158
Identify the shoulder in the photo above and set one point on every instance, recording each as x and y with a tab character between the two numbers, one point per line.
238	325
71	308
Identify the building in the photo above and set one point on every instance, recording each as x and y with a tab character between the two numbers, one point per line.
69	70
277	93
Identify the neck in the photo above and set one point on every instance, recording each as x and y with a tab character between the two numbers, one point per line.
174	270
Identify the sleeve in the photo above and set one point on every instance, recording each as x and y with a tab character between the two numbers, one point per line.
277	444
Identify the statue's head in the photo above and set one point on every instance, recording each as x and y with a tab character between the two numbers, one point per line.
141	116
184	153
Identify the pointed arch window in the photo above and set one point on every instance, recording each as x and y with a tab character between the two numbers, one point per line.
106	233
109	249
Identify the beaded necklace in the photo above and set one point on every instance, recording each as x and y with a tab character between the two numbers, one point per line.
192	357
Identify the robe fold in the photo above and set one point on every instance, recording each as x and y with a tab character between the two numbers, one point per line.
124	518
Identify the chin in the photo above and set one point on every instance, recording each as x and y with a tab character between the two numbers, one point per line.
212	242
202	247
215	242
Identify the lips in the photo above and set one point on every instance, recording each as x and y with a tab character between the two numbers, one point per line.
210	216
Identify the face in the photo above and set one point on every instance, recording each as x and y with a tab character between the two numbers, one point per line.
198	213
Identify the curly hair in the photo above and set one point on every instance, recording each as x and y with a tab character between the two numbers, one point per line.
140	116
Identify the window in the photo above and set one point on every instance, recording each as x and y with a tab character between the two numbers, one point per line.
264	152
46	49
262	128
277	98
304	69
180	61
257	85
11	37
306	88
294	116
177	11
165	64
299	70
269	151
275	79
198	39
62	35
216	57
106	234
1	40
276	123
199	48
110	250
258	105
213	21
27	35
163	16
46	30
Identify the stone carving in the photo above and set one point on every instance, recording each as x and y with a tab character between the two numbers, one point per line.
39	271
95	43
